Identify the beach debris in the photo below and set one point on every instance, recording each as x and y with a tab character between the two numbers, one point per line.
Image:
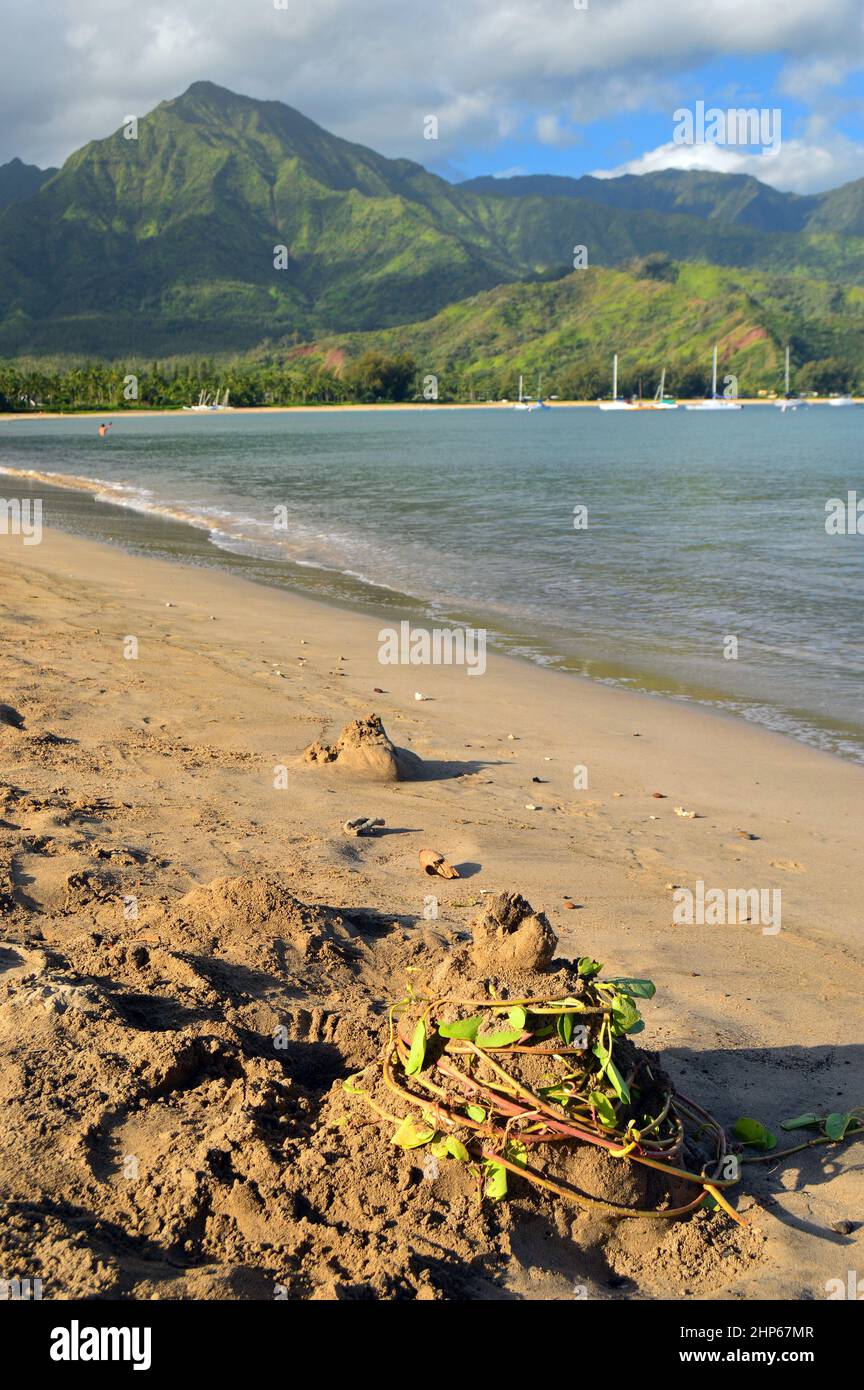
418	695
362	825
10	716
508	933
376	690
843	1228
529	806
365	750
431	862
511	737
571	906
687	815
480	1054
170	605
746	835
659	796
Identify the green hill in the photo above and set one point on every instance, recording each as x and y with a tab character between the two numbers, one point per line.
654	315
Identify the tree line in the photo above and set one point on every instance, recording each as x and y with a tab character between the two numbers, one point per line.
375	376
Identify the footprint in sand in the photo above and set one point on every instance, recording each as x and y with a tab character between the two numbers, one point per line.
790	865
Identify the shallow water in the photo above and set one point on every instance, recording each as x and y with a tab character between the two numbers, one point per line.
699	528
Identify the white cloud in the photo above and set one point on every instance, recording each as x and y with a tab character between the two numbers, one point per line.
371	70
551	131
811	164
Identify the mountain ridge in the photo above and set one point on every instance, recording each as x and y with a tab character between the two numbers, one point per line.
168	243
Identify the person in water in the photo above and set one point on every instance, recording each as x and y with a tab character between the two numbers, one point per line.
103	430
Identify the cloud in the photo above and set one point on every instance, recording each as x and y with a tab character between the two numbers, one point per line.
372	71
818	161
550	131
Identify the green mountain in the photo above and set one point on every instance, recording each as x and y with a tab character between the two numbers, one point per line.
737	199
165	244
657	314
19	181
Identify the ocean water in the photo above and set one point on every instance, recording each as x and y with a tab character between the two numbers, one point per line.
699	528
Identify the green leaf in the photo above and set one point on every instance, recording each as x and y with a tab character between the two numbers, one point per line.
413	1134
495	1186
457	1149
836	1125
517	1152
809	1121
619	1085
565	1028
349	1086
438	1148
754	1134
500	1039
625	1013
418	1049
560	1094
588	967
463	1028
476	1112
640	989
604	1107
517	1018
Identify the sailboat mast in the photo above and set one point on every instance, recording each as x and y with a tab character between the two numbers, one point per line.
615	377
787	371
520	388
714	375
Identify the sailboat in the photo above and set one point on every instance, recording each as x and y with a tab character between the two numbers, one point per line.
716	402
842	400
616	403
661	401
206	405
790	401
524	403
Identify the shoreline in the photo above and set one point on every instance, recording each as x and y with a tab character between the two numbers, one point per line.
351	593
381	406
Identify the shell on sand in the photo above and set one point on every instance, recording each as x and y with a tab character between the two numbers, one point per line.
431	862
365	750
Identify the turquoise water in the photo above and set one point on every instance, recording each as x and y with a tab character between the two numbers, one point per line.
699	528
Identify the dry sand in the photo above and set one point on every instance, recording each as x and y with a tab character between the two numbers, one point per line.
155	1144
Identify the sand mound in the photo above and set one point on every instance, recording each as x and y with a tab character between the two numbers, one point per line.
176	1123
364	749
510	935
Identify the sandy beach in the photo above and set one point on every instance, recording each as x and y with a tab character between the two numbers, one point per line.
109	413
155	1146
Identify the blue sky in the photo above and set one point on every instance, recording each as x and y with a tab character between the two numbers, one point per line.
534	85
617	139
